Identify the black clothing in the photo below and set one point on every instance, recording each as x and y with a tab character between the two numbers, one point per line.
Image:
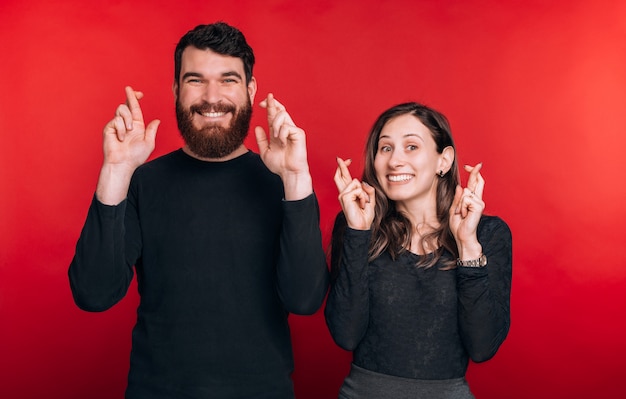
417	322
221	259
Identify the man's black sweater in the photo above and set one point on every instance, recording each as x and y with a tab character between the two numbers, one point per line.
221	259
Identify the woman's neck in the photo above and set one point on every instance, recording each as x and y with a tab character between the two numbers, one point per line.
422	214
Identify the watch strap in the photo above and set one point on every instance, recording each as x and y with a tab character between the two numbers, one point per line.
480	262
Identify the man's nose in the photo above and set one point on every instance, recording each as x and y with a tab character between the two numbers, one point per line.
211	93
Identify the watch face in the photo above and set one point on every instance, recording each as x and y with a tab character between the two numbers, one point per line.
483	260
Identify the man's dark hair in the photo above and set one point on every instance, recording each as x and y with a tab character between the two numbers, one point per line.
220	38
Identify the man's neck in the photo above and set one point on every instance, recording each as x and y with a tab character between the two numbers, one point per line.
237	153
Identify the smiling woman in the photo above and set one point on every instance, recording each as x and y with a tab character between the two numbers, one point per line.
421	279
407	159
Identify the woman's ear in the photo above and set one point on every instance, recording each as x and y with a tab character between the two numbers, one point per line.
446	159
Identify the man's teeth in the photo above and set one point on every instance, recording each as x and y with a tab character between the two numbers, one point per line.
400	177
213	114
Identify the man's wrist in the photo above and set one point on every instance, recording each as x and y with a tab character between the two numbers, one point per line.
113	183
297	186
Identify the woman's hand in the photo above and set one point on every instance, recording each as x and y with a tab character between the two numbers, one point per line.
357	198
465	212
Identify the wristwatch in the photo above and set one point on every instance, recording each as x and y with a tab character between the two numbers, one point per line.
480	262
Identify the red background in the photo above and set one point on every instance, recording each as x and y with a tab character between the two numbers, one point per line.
535	91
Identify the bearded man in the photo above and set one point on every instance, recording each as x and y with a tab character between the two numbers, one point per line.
225	242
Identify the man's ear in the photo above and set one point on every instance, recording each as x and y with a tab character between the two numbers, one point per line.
175	90
252	89
446	159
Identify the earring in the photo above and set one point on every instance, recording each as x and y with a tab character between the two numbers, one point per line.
441	174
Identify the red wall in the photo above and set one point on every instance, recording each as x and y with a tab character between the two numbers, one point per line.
535	91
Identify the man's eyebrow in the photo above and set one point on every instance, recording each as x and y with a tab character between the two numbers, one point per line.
192	74
224	74
232	73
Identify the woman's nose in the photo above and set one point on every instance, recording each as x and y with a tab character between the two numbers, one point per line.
396	159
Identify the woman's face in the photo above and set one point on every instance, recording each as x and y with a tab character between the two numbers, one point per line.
407	161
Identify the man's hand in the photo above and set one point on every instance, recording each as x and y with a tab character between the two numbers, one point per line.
284	153
127	143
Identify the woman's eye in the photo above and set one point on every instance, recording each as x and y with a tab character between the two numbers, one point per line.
412	147
385	149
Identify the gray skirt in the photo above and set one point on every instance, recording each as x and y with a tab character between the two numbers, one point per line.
366	384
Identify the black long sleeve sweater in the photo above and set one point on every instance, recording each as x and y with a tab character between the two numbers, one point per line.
221	260
422	323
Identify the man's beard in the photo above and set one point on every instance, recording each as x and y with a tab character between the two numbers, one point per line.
214	141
